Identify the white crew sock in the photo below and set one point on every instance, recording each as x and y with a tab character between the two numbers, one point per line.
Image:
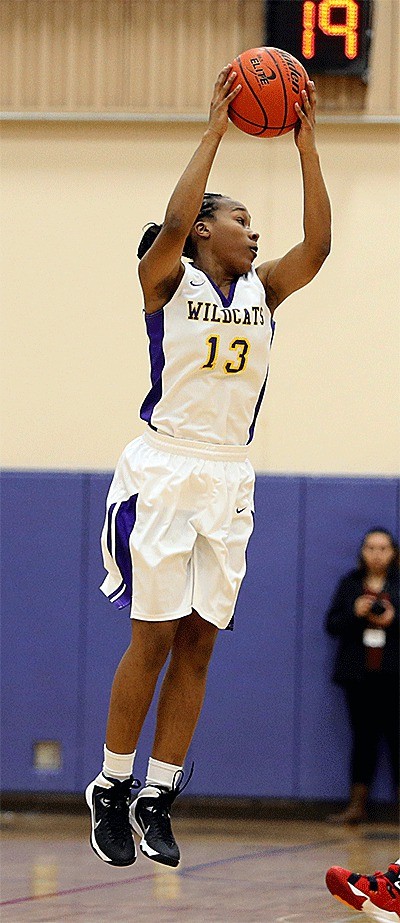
159	773
118	765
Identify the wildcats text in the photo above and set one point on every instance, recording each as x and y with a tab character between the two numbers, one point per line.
208	311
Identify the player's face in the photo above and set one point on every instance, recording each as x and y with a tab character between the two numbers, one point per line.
233	240
378	552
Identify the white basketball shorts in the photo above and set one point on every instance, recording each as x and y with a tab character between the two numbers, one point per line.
179	516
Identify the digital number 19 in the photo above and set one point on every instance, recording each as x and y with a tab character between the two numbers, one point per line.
317	14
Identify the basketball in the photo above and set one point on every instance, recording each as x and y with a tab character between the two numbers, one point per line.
272	81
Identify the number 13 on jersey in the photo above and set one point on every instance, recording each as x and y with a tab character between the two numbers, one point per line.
241	348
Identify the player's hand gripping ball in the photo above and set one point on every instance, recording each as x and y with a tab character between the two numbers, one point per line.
272	81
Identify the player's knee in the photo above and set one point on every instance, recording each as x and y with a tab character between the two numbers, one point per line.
155	658
197	653
151	643
200	662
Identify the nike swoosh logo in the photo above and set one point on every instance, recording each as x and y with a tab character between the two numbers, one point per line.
97	824
241	510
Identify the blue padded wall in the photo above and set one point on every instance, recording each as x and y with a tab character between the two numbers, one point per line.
41	614
273	724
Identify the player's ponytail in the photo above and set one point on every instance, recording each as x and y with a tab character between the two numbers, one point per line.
152	231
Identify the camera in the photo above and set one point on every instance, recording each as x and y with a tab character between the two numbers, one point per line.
378	608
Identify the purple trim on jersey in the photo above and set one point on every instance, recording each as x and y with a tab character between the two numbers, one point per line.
124	523
155	333
262	392
226	301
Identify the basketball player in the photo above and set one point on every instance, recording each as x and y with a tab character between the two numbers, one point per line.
378	896
179	510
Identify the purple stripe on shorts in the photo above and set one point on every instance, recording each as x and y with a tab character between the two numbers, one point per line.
155	333
117	591
124	600
109	522
124	522
262	392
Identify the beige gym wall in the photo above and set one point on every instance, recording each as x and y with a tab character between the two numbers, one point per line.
74	198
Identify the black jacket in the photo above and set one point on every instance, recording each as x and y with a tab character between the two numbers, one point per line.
342	623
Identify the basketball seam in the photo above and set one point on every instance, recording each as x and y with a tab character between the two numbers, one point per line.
284	91
248	121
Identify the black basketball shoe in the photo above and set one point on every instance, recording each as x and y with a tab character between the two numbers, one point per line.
111	835
150	818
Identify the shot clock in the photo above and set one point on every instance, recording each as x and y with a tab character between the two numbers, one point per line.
327	36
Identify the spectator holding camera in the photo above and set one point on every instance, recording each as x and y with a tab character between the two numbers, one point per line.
364	616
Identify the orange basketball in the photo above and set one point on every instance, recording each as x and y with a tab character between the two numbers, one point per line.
272	81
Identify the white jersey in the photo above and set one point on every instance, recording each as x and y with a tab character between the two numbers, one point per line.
209	357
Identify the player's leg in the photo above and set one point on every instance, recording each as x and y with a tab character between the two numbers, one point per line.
135	680
179	707
378	896
182	693
142	509
108	796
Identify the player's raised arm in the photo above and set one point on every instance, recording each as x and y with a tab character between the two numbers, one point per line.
160	269
299	266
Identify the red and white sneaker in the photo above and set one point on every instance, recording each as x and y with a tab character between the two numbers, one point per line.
378	896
